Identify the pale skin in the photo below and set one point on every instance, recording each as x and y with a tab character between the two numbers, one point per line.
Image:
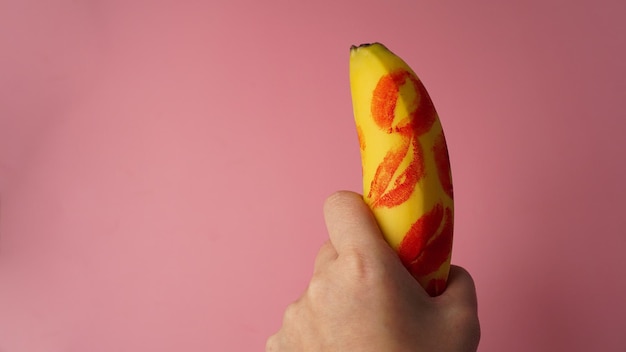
361	298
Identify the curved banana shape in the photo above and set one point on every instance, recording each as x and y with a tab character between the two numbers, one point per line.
406	169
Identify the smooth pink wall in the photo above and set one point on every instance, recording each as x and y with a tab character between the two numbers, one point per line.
163	164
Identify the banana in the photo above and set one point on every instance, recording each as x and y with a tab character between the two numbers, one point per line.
407	182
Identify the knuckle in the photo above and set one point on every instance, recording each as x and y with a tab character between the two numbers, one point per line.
291	313
324	256
318	289
466	317
270	344
357	265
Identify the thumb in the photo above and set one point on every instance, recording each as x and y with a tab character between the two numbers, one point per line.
352	226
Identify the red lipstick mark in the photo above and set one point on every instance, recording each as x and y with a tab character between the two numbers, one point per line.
436	251
385	97
382	193
413	244
421	114
424	115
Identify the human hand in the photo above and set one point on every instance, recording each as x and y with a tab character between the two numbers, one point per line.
361	298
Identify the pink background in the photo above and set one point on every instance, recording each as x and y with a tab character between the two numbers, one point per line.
163	164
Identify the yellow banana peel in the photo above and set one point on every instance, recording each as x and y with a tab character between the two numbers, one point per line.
407	181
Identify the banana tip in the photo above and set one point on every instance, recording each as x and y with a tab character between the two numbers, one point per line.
364	45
